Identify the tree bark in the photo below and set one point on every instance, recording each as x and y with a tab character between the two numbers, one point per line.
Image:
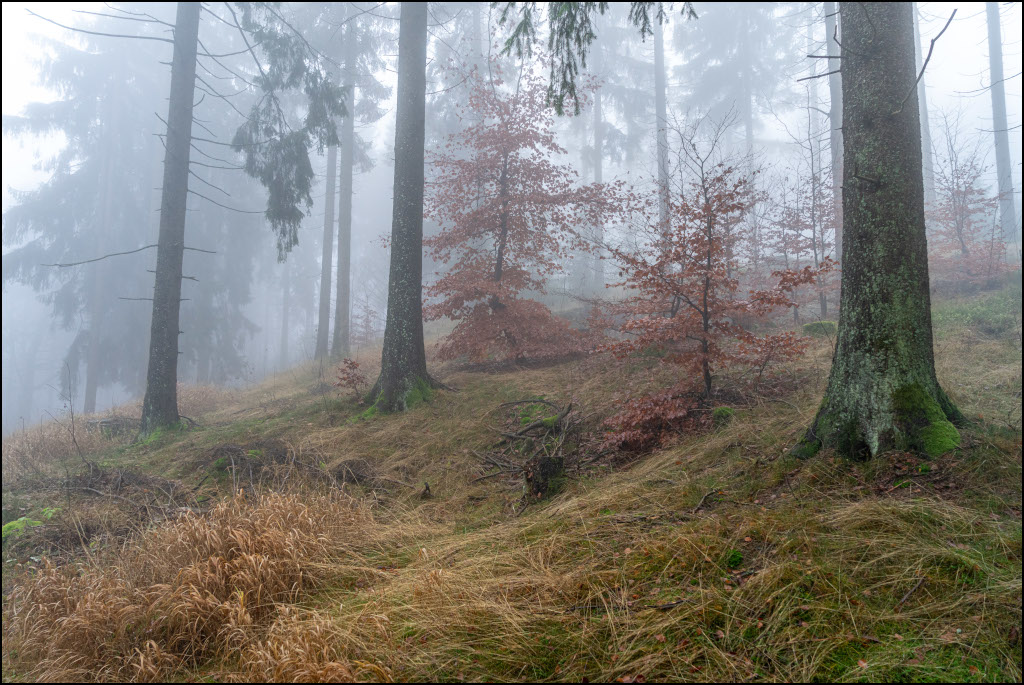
403	377
286	291
342	303
661	116
327	256
96	308
927	164
160	404
1007	210
835	116
882	391
813	145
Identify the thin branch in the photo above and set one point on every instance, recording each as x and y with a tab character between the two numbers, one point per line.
187	278
148	20
89	261
827	73
925	65
984	88
98	33
203	180
233	209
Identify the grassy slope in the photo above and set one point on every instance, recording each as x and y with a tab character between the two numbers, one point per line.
717	558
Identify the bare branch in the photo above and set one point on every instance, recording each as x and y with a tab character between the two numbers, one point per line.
99	33
925	65
112	254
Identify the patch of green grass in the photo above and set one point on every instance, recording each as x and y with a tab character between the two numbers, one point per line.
991	314
820	329
722	416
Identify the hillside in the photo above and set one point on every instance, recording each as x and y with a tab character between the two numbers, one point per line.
715	558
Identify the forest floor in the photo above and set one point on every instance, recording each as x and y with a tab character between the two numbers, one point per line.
715	558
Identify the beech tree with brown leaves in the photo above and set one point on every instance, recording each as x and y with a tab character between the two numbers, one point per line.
509	213
686	296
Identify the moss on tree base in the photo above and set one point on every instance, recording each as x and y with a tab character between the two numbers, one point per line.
416	392
913	421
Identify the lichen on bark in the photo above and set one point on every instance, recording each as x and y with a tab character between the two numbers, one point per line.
882	392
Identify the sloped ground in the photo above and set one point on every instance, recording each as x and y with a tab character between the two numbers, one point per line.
715	558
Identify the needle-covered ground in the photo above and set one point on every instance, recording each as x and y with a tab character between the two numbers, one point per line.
715	558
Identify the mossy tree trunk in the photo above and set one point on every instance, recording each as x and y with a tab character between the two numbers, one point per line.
882	391
403	377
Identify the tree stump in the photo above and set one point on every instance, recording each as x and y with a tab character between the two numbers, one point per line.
545	476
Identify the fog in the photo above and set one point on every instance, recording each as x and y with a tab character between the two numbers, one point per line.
84	121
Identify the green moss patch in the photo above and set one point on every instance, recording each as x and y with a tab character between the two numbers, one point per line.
923	423
721	416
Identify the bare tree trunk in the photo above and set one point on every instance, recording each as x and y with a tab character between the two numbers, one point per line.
748	95
814	147
835	116
327	255
927	165
286	291
661	116
403	377
595	274
342	302
96	308
160	405
882	391
1007	210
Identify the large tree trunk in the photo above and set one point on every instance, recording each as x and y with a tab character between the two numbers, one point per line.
342	302
327	256
403	376
882	392
160	405
835	117
1007	210
927	166
661	116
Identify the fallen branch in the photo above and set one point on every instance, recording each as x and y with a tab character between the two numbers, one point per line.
920	581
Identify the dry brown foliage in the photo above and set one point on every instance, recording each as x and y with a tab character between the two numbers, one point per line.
49	449
202	587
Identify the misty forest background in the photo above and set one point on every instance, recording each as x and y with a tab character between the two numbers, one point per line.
83	165
586	342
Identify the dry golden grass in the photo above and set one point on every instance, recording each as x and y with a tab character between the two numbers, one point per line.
717	558
197	589
50	449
